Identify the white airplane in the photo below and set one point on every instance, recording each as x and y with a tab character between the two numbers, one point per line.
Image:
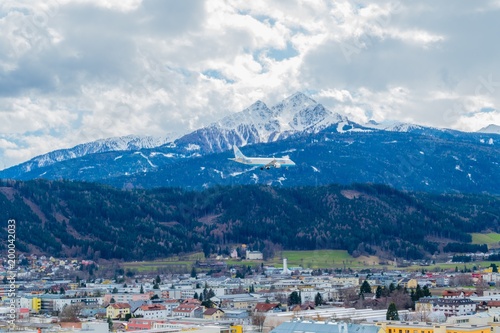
263	162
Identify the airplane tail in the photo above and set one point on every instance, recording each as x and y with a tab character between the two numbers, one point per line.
237	152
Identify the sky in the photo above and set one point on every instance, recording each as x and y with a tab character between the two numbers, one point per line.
74	71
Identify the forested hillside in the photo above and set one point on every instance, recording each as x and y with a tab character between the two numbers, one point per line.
74	219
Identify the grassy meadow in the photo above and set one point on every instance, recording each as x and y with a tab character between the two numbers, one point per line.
491	239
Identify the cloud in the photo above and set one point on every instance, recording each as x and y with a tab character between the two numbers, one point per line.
80	70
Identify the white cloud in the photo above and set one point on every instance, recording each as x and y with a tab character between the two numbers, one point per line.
80	70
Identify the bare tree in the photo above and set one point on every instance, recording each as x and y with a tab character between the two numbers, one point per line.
401	299
258	319
422	314
348	295
481	286
462	280
70	312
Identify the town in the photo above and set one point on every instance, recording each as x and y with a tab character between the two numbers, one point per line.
61	295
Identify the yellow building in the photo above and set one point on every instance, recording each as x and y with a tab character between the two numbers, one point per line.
117	310
421	327
36	304
236	329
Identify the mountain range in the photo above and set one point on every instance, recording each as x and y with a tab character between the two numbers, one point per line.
327	147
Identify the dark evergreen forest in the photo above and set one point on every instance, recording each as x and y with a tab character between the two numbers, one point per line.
87	220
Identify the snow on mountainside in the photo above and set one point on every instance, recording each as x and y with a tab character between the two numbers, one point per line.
491	129
129	142
393	126
259	124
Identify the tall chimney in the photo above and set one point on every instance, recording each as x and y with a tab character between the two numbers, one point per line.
285	268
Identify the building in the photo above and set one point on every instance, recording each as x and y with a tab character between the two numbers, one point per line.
140	324
254	255
421	327
448	306
213	314
188	310
117	310
152	311
324	327
458	294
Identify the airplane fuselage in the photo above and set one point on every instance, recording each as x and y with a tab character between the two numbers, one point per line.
262	162
265	161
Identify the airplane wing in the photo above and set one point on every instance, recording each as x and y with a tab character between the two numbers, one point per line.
270	164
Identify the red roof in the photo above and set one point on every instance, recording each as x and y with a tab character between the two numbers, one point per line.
265	307
120	305
186	308
211	311
154	307
494	304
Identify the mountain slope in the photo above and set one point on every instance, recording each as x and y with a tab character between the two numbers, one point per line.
74	219
124	143
408	161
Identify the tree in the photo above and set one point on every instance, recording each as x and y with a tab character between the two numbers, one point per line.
294	298
392	312
62	291
196	295
318	299
208	303
426	291
258	319
494	267
193	272
112	300
70	312
378	292
158	280
142	290
156	286
365	288
110	323
114	291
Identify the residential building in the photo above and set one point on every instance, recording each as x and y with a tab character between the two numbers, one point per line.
151	311
117	310
213	314
449	306
188	310
140	324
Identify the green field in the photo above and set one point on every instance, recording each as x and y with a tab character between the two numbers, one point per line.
491	239
315	259
305	259
177	264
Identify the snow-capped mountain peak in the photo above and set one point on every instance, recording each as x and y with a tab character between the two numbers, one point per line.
257	113
258	123
491	129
